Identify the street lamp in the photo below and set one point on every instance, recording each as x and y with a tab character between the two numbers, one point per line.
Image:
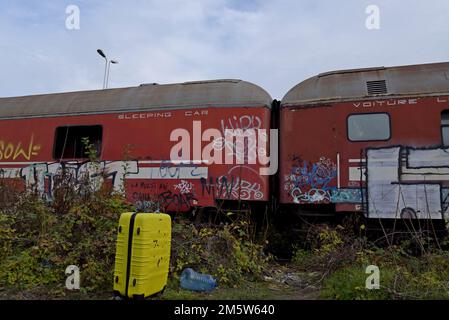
101	53
107	67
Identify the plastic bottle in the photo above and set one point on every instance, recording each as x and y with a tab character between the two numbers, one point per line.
191	280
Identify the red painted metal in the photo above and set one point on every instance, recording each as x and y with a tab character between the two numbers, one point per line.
312	137
144	138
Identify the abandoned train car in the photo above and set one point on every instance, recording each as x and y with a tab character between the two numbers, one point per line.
133	132
374	141
368	141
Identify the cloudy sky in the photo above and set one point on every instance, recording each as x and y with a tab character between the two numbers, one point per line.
273	43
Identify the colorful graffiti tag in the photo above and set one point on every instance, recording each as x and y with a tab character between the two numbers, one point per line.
19	150
311	182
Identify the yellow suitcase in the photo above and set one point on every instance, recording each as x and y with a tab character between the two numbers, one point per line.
143	254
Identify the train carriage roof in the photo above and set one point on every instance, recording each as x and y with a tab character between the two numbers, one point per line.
216	93
359	84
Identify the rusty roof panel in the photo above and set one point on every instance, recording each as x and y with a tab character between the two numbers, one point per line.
216	93
357	84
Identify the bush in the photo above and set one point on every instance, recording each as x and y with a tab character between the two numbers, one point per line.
425	277
341	257
326	249
349	284
224	251
40	239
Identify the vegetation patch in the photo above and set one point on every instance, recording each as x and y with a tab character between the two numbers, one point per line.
226	251
342	259
39	239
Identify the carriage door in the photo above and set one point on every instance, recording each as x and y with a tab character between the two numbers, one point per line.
380	165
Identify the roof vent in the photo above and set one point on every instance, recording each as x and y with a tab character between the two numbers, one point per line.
377	87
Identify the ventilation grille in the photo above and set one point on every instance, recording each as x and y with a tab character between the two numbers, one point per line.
377	87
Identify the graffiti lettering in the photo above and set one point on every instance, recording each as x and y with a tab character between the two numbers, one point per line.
241	127
232	188
12	151
170	200
37	174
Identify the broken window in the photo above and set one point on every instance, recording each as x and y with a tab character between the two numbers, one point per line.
70	142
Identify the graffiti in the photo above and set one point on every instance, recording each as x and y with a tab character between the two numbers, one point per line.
178	171
404	179
141	182
184	187
243	127
243	122
145	185
160	198
42	176
332	195
232	188
12	151
242	146
170	200
241	189
311	196
346	196
310	182
145	202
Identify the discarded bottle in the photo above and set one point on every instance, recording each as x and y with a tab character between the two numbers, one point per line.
191	280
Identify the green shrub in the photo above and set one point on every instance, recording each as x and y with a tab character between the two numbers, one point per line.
224	251
40	239
349	283
401	276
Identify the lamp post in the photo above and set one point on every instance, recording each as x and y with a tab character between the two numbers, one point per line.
101	53
107	68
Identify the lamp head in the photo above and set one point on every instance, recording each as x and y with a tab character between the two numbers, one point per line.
101	53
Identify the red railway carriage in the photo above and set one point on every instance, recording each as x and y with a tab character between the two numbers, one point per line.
133	131
370	140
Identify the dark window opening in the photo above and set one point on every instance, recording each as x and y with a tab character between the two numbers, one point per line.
70	142
369	127
445	127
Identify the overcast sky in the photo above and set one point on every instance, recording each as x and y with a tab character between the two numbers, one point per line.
275	44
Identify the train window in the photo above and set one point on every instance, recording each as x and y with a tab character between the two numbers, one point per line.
70	143
369	127
445	127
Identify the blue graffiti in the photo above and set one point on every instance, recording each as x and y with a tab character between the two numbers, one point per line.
346	196
311	182
313	176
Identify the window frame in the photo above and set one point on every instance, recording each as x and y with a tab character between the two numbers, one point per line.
443	126
76	126
370	140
